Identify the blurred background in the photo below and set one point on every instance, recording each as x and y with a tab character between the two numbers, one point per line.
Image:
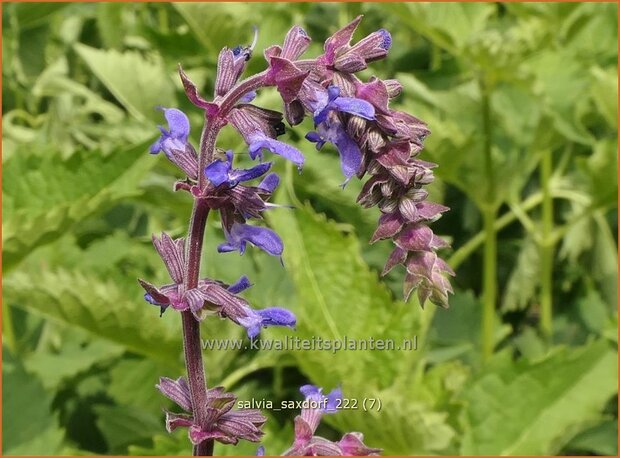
521	100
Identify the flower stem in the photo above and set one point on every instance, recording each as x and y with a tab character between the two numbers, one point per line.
489	279
191	326
546	247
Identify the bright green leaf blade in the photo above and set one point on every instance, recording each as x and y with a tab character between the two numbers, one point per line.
148	87
535	408
100	307
44	196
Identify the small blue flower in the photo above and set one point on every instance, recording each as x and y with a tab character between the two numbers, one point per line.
333	102
176	137
329	128
272	316
222	172
258	141
332	130
240	285
240	234
329	403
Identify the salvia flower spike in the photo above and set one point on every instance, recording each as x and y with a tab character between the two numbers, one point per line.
372	139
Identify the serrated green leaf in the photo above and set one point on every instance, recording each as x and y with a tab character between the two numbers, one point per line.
148	88
337	296
533	408
99	307
74	354
44	196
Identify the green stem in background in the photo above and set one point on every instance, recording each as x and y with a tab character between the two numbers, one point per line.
477	240
489	283
546	247
489	214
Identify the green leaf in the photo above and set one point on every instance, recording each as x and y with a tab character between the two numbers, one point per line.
99	307
601	439
122	426
74	354
605	94
216	25
533	408
524	278
45	196
147	88
338	296
28	425
133	383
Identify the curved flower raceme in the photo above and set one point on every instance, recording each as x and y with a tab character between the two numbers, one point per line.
372	140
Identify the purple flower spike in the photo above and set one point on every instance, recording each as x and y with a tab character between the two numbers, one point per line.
262	237
222	172
260	451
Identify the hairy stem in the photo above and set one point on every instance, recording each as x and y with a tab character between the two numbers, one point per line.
546	247
191	327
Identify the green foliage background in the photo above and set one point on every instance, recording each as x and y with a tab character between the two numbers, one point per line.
522	103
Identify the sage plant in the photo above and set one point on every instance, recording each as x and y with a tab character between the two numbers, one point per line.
371	139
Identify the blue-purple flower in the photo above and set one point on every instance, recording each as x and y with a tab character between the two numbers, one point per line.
329	127
176	136
260	127
174	142
255	320
332	101
240	235
222	172
315	405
